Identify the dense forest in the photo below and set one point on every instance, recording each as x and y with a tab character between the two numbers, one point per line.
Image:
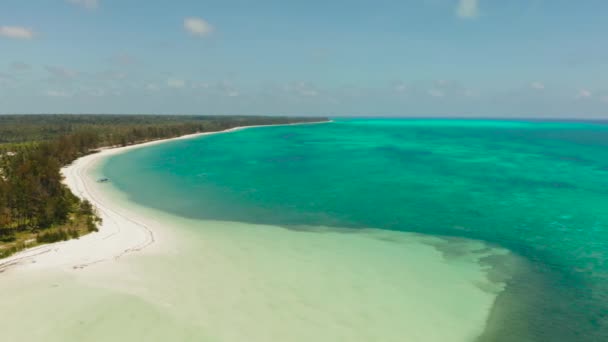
35	206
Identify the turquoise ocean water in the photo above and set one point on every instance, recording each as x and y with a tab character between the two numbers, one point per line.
539	189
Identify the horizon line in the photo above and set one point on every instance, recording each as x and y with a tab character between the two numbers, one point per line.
436	117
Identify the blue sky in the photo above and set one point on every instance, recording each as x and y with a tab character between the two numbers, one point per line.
533	58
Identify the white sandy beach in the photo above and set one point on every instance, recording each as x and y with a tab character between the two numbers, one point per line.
148	275
120	232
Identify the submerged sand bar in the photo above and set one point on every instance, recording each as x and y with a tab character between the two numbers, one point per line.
149	275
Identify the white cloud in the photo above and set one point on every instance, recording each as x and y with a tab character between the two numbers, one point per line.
436	93
198	27
88	4
16	32
537	85
176	83
467	9
604	98
584	94
58	93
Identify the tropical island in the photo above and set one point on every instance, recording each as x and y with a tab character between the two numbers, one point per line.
35	206
167	173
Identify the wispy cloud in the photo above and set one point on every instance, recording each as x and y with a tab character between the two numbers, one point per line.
439	88
152	87
584	94
198	27
176	83
123	59
57	93
467	9
200	85
537	85
97	92
20	66
302	89
400	87
111	75
6	80
60	73
16	32
88	4
436	93
227	88
5	76
450	88
471	93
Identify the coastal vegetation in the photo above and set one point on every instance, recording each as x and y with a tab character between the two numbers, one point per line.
35	206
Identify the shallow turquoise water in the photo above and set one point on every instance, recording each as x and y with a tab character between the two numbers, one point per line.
539	189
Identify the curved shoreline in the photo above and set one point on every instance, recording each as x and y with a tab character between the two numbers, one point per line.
119	233
310	276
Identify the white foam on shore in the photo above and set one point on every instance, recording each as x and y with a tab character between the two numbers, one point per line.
152	276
